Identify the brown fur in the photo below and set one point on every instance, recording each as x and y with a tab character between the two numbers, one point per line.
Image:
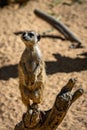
31	75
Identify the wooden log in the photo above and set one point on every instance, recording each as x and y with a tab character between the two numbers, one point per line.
59	26
34	119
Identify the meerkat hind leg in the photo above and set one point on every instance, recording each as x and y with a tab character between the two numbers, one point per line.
25	96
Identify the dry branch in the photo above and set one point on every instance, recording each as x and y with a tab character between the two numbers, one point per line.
34	119
59	26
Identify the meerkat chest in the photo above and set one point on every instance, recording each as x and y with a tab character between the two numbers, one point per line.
32	59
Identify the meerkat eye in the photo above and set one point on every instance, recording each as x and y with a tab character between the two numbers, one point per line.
23	35
31	35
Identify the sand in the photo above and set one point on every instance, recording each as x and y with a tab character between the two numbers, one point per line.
62	63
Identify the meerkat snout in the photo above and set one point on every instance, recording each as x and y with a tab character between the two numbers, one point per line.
28	36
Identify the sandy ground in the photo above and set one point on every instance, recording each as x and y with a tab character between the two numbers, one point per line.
62	63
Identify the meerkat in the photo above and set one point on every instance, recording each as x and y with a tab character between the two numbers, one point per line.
31	70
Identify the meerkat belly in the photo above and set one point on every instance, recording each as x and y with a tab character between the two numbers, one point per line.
32	62
33	65
30	66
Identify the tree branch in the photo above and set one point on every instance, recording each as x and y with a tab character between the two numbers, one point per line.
34	119
59	26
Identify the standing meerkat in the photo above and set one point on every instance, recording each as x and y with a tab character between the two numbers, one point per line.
31	70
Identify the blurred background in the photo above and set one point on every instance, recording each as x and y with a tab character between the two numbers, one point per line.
62	62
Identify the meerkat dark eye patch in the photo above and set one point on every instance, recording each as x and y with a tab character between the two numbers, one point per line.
30	34
24	34
38	37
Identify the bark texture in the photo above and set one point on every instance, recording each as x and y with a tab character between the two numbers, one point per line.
34	119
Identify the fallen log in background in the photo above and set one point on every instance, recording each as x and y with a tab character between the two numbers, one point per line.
59	26
34	119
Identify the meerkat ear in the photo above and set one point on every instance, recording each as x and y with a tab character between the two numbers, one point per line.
38	37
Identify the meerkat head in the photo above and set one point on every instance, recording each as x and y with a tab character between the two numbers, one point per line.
30	38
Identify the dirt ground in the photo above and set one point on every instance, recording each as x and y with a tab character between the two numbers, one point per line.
62	63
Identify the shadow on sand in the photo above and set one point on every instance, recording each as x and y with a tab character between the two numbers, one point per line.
66	64
63	64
